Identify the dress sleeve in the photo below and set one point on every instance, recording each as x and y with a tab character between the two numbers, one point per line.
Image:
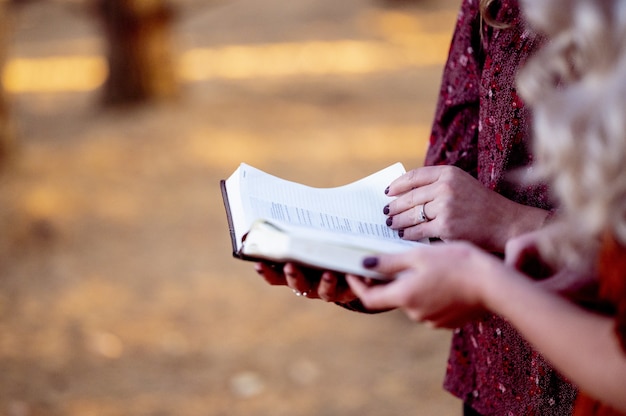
454	135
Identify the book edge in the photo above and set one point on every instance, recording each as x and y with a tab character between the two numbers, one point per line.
229	219
299	236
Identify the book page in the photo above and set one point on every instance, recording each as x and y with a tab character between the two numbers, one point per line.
356	208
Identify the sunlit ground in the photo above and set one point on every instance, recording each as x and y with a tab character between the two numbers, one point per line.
403	47
118	295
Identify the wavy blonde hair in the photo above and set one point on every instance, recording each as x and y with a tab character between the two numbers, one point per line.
576	87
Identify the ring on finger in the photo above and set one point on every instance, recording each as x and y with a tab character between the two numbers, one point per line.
422	214
298	293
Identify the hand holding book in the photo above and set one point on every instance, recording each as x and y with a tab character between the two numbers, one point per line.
308	282
328	228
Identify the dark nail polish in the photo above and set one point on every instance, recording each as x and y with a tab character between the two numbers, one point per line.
370	262
401	233
386	190
386	210
389	221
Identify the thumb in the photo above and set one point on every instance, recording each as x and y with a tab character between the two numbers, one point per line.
392	264
374	298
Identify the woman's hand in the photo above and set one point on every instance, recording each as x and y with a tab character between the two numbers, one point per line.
441	284
536	255
531	252
456	207
307	282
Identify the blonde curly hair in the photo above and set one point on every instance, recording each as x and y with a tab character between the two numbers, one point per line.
576	87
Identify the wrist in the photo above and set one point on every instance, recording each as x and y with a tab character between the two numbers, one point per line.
494	289
487	282
525	219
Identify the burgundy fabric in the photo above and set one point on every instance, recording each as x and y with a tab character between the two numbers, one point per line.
481	125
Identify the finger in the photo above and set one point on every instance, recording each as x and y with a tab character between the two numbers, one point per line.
328	287
372	297
412	199
418	232
297	280
272	274
437	317
524	255
450	318
357	284
343	292
413	216
414	179
393	264
514	249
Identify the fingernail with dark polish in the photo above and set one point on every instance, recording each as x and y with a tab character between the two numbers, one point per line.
386	190
370	262
389	221
386	210
401	233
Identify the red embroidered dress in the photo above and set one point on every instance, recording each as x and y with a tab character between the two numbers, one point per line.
481	126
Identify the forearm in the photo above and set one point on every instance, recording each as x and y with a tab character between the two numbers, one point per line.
580	344
517	219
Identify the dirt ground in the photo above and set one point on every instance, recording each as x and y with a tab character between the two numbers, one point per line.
118	294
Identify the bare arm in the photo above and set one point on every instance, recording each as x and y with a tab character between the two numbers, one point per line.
581	344
432	288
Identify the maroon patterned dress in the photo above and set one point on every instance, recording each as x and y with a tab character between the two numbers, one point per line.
481	126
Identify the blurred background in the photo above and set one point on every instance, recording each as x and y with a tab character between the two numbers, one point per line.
118	118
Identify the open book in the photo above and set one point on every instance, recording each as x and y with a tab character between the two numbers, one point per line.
275	219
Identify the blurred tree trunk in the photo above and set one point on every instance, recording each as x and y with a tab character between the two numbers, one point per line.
7	131
141	64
